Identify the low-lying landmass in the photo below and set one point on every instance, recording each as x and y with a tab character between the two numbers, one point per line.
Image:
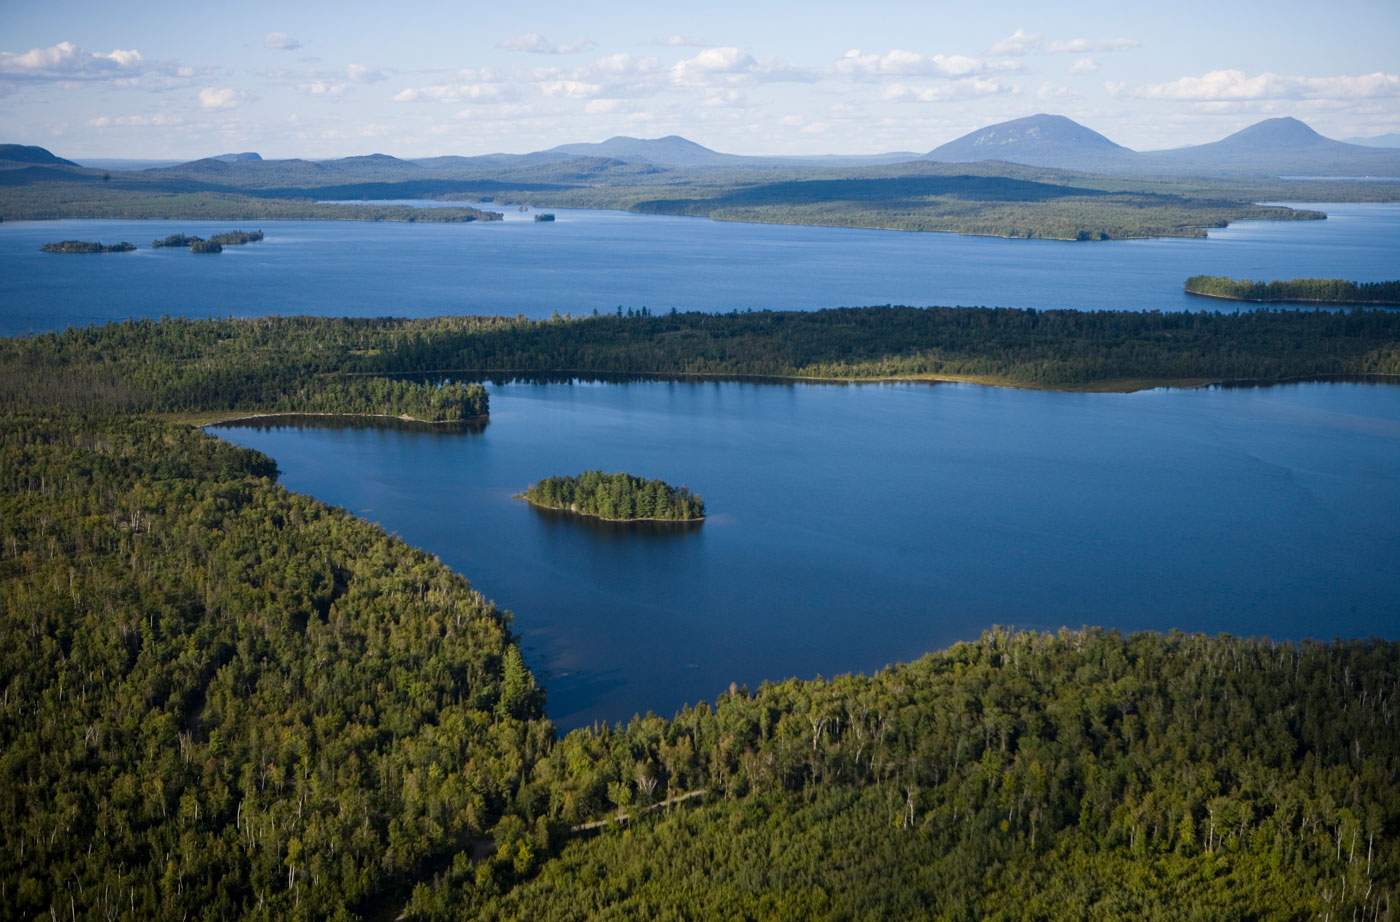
618	497
283	364
87	246
1337	291
65	200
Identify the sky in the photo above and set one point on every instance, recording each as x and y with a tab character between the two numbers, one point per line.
180	80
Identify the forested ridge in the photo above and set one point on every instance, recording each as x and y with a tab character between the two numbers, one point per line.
281	363
617	496
1334	290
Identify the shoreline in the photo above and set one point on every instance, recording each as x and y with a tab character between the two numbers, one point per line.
1203	294
603	518
198	419
1105	386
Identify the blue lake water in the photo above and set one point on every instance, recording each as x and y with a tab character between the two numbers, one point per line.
587	260
854	526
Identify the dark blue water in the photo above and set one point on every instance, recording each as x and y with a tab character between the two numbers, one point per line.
854	526
587	260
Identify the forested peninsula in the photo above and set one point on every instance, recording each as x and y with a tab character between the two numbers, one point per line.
1338	291
225	701
212	369
618	497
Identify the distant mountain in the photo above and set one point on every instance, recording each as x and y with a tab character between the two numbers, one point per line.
20	153
1273	147
245	157
1381	140
1278	147
1038	140
668	151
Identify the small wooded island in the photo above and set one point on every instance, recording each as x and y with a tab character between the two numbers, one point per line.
214	244
1337	291
86	246
618	497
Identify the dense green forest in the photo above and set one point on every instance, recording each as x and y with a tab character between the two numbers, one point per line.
222	700
1083	775
1335	290
229	367
87	246
618	496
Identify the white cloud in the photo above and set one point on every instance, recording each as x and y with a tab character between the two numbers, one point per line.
1100	45
455	93
159	120
1084	66
728	66
604	106
966	88
322	88
617	75
281	41
66	61
1018	43
359	73
211	98
899	63
1236	85
1021	42
534	43
1048	91
571	89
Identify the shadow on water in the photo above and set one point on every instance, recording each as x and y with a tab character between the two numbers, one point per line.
561	520
304	422
1251	384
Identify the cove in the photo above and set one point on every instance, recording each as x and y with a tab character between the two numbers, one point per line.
597	260
854	526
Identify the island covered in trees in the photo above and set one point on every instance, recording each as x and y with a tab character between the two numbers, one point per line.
1338	291
618	497
87	246
214	244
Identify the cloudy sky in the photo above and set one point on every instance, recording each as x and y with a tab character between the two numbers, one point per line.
162	79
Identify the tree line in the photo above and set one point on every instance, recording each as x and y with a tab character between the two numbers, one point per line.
1334	290
180	365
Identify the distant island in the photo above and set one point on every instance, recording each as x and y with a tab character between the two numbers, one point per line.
214	244
616	497
87	246
547	216
1337	291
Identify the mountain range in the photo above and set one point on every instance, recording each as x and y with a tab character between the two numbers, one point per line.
1276	147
